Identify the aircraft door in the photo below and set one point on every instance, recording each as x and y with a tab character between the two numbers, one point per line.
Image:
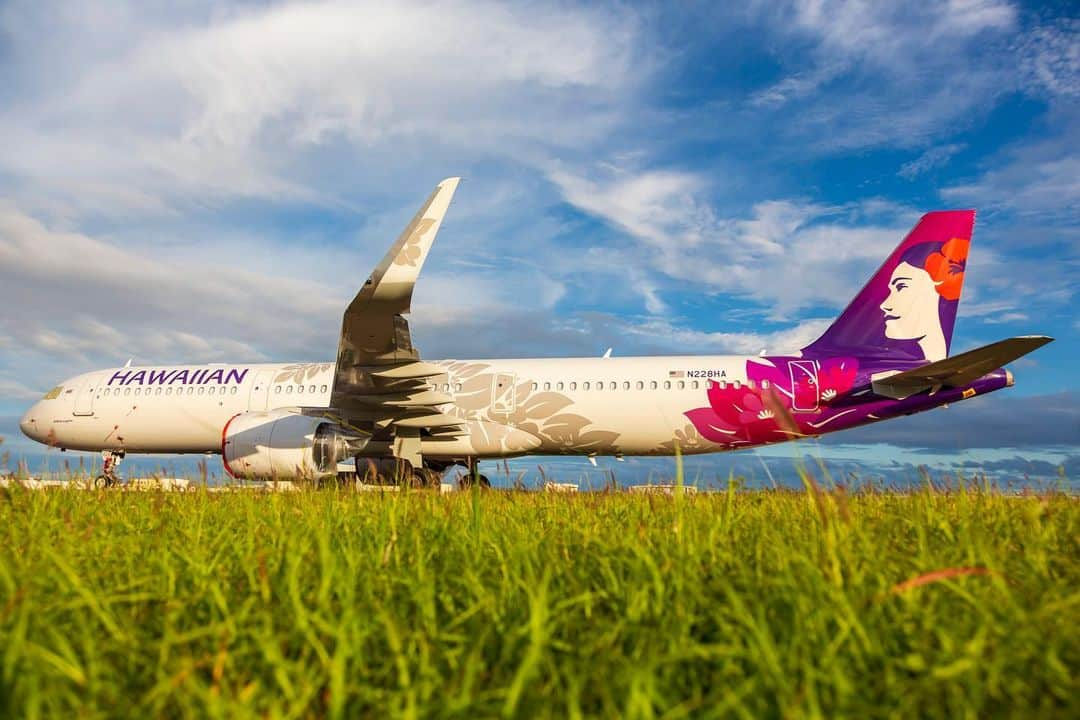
503	393
259	397
84	399
805	392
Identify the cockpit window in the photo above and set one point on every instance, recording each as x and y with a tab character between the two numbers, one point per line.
54	393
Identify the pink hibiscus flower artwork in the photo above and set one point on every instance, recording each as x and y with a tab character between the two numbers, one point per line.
761	411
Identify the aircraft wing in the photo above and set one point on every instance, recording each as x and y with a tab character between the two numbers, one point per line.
379	376
959	370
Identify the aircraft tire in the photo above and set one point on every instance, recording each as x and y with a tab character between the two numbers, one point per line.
466	481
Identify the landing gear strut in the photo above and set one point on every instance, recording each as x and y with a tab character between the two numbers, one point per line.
110	460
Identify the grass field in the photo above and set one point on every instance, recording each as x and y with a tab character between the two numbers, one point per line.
483	604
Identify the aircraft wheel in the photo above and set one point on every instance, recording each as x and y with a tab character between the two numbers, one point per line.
427	478
467	481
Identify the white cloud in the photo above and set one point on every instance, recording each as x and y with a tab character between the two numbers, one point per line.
1034	178
656	206
1050	58
680	339
80	300
15	390
931	159
787	255
204	106
884	74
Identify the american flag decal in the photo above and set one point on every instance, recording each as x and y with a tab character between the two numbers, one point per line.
676	373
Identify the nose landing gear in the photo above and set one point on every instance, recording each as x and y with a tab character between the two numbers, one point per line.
110	460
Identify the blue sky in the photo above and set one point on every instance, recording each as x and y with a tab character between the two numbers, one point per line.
207	181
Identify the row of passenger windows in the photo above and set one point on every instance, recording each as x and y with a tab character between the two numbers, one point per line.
626	385
206	390
288	389
190	390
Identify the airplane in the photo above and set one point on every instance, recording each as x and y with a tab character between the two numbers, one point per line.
395	417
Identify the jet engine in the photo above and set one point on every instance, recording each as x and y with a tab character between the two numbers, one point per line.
283	445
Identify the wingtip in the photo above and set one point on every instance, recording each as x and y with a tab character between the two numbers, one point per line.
450	181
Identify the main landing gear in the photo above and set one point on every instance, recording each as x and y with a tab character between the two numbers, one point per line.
110	460
398	471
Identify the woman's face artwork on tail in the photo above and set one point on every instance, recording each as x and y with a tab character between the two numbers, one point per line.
928	276
911	309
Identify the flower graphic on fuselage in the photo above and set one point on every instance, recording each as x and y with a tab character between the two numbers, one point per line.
762	410
836	377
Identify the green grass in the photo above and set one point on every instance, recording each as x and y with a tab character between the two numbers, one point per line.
768	604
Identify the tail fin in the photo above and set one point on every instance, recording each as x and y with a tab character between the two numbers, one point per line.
908	309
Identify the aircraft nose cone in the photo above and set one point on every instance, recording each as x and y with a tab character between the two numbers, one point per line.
28	426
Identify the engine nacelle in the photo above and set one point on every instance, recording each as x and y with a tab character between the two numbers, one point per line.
282	445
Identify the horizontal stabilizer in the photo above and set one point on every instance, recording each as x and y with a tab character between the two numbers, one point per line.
959	370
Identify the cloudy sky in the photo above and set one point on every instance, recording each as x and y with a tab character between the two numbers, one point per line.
201	181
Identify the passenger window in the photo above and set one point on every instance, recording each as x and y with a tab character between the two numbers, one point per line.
138	392
277	389
585	385
626	385
558	386
127	391
311	389
573	386
640	385
233	390
722	384
599	384
695	385
536	386
106	393
458	387
288	389
191	391
764	384
611	386
652	385
547	386
750	384
201	389
324	388
300	388
158	392
222	390
682	384
667	384
168	391
735	384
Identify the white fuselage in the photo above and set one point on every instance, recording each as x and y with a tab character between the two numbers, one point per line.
603	406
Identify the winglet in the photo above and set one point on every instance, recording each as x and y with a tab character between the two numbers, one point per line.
373	330
394	278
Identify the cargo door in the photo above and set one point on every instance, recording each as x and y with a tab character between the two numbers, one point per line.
805	393
503	393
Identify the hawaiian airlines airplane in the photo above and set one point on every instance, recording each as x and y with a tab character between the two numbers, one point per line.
409	419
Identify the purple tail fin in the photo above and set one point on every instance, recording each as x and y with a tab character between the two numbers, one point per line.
908	309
